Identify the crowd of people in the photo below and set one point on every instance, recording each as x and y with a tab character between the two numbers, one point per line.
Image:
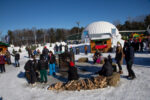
5	58
126	52
139	45
36	70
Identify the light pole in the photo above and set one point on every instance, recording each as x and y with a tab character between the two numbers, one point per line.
78	23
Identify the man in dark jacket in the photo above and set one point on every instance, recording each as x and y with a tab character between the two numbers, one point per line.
66	48
72	72
60	48
51	60
107	69
29	52
17	58
129	57
42	67
30	72
45	52
56	48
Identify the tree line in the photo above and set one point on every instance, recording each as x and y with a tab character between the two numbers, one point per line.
39	36
51	35
134	24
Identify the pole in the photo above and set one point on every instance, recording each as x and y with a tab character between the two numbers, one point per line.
78	23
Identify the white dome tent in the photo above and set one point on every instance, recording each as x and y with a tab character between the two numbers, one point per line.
102	30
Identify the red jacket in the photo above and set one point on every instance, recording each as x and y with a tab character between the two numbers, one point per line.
2	59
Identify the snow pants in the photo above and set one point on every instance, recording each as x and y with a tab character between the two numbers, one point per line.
31	77
129	68
52	69
17	63
43	74
2	68
119	65
8	60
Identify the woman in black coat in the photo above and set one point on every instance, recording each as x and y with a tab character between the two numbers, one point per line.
107	69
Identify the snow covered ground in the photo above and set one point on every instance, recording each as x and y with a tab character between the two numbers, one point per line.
14	87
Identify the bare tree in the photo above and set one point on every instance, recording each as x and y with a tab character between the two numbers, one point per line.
34	32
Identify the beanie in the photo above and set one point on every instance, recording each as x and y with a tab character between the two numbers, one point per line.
71	64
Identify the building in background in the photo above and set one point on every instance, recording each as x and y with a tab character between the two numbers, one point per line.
3	47
101	35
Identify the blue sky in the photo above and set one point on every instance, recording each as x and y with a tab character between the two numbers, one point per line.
19	14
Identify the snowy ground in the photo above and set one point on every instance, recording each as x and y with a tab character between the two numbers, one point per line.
14	87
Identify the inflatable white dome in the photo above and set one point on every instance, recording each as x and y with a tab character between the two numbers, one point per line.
100	27
101	30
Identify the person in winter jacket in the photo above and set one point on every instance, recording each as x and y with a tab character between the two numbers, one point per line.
30	72
35	53
66	48
119	57
77	50
60	48
111	62
8	57
85	49
38	52
51	61
45	52
29	52
56	48
129	57
71	49
2	62
97	57
141	45
35	66
72	72
106	69
43	67
17	58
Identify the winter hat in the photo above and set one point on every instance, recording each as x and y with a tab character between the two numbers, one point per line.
45	47
71	64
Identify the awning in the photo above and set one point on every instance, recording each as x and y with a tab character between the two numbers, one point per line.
4	44
100	46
